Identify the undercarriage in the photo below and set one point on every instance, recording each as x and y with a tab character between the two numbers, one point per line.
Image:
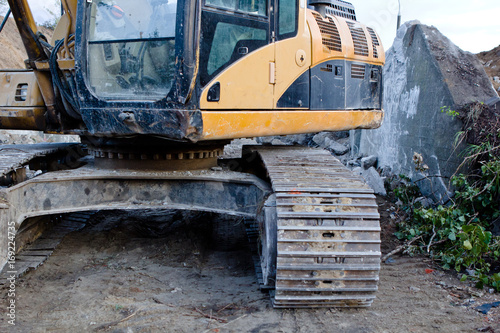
313	226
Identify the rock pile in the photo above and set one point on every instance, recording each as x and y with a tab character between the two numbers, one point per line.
335	142
491	62
426	78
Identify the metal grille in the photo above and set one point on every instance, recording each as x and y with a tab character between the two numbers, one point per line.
358	71
21	92
359	39
346	13
329	33
375	41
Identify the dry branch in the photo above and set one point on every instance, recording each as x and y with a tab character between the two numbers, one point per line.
209	316
400	248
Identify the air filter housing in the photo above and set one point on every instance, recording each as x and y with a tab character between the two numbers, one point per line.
334	7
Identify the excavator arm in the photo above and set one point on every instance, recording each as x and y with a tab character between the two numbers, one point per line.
36	56
28	31
39	51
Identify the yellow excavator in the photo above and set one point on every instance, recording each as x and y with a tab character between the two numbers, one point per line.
156	88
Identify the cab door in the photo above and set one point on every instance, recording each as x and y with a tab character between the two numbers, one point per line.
292	55
235	53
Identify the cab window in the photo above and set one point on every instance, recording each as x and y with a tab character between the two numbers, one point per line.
255	7
229	36
287	18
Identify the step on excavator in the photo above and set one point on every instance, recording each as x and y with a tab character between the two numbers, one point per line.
156	88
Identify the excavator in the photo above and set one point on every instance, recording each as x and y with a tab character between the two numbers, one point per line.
156	88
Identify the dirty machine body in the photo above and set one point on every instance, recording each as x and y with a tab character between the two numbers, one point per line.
156	93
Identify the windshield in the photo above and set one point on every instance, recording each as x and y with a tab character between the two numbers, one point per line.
131	51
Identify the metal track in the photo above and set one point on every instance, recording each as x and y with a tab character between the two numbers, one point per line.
35	254
328	243
14	158
13	162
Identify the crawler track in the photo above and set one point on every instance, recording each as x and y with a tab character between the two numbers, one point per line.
35	254
14	158
328	237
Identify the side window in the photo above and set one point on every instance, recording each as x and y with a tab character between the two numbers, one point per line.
233	41
226	38
287	18
255	7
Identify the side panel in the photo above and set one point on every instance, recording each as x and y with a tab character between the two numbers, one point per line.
363	86
348	85
245	84
293	57
328	85
21	103
219	125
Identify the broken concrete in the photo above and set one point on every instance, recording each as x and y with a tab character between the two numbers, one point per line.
494	103
424	72
368	162
372	178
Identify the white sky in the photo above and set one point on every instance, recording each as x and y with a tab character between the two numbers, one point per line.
474	25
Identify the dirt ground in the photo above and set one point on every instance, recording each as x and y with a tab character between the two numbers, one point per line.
109	277
13	54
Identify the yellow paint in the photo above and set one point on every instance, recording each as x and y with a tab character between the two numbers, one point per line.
16	113
248	84
26	118
10	81
287	69
245	84
30	21
219	125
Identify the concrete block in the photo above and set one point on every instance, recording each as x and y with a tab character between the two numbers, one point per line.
368	162
424	71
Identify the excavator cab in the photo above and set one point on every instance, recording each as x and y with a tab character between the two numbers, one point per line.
181	70
196	71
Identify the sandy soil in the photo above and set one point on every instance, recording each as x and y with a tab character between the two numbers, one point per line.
13	54
109	277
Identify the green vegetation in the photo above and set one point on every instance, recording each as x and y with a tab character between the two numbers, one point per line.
449	111
457	234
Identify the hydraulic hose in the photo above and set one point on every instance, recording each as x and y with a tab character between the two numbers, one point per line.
5	19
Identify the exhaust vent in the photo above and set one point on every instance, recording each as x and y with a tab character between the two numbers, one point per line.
359	39
375	41
329	33
334	7
358	71
21	92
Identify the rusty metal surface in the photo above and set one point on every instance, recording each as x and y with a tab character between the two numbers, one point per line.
13	158
89	188
166	159
328	233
